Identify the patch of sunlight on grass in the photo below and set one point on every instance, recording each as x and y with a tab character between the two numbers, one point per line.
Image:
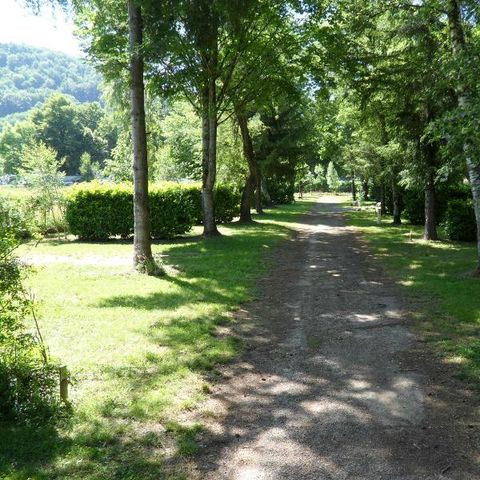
433	272
141	350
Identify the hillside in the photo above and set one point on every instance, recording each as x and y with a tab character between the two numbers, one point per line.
29	75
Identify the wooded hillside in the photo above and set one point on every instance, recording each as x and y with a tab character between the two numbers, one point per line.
30	75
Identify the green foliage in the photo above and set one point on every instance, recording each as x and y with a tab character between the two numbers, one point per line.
99	212
333	180
413	201
69	128
460	221
28	76
17	216
86	169
281	191
41	172
28	383
308	181
227	203
180	154
286	140
414	207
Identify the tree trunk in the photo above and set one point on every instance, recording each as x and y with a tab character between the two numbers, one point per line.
259	185
457	38
209	137
251	181
430	231
354	187
247	195
142	249
365	190
383	199
397	219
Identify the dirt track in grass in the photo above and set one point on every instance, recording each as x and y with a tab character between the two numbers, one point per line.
334	383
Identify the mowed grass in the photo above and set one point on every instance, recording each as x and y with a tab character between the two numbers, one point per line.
142	350
447	301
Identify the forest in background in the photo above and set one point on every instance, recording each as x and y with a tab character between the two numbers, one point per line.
28	76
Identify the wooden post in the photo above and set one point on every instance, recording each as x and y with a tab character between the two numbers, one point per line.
64	381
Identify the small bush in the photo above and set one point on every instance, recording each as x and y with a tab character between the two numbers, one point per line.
281	191
460	221
17	217
28	382
99	212
227	203
414	207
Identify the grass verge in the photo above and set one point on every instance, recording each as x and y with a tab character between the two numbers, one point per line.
433	273
141	350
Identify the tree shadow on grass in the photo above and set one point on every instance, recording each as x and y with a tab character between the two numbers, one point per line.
24	449
136	434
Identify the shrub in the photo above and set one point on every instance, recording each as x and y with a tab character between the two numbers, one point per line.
227	203
28	382
281	191
226	198
41	172
17	217
415	203
414	210
460	221
172	211
99	212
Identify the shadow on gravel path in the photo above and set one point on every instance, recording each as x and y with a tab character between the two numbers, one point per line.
334	384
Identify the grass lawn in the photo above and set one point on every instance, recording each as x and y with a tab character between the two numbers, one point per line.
142	350
434	273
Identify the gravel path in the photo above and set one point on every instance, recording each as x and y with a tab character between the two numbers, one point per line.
334	384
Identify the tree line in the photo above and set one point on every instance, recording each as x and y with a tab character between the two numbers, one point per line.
388	89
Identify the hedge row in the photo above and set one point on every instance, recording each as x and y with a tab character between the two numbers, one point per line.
460	221
414	202
98	212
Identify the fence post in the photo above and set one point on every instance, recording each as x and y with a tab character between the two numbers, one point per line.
64	381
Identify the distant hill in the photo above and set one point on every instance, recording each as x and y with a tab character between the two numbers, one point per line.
29	75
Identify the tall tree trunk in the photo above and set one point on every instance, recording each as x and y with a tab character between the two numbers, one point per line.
142	249
251	181
457	38
354	187
365	190
383	198
259	184
209	136
430	231
397	219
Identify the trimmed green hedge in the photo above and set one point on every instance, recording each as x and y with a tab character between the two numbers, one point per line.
98	212
460	221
